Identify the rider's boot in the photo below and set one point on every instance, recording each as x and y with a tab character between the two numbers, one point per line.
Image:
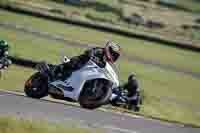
134	105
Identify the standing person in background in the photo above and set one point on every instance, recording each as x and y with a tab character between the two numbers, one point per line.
4	61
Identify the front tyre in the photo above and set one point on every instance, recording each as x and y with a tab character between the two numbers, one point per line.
95	93
36	86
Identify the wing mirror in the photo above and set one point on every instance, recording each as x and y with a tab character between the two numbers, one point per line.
65	59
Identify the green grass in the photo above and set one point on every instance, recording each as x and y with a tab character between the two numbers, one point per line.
20	125
163	110
14	78
147	50
155	82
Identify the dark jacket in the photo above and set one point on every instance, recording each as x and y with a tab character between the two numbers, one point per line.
2	51
95	54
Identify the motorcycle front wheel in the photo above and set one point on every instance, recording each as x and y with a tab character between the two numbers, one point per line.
95	93
36	86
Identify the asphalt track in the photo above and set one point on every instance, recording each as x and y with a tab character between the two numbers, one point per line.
61	38
12	104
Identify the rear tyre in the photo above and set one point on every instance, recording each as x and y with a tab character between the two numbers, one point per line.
36	86
95	93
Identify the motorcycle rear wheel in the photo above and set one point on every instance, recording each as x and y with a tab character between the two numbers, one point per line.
36	86
98	98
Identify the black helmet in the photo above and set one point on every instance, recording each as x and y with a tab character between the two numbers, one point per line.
131	77
112	51
3	45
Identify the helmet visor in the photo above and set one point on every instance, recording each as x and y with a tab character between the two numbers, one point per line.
114	55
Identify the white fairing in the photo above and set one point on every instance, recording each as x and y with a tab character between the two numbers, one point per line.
74	84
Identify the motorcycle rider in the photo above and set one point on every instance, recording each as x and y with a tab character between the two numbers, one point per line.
110	53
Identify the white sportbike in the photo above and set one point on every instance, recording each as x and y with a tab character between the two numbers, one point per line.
91	85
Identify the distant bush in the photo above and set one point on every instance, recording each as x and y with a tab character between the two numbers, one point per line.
197	20
185	27
193	27
154	24
134	19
